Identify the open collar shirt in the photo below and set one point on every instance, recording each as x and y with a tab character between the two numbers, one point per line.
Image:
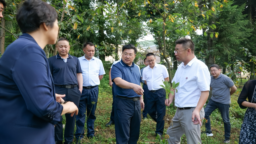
155	76
91	70
193	78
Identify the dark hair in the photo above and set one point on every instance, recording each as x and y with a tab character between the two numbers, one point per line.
186	43
62	39
215	65
33	13
3	2
129	46
150	54
145	59
87	43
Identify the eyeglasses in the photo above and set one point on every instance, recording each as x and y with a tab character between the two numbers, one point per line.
149	61
178	51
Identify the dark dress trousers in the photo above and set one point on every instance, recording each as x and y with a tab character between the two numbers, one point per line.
28	107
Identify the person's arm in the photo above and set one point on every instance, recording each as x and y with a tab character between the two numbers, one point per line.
171	97
203	82
243	103
100	77
80	81
196	113
233	89
31	76
79	76
165	74
102	71
249	104
127	85
110	80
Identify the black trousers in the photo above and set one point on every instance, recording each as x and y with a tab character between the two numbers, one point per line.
72	94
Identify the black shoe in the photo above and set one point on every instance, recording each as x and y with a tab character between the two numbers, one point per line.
59	142
67	142
109	123
90	137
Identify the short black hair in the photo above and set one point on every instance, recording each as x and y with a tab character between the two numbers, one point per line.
145	59
186	43
3	2
87	43
62	39
33	13
215	65
150	54
129	46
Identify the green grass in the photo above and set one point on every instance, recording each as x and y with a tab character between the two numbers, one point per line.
106	135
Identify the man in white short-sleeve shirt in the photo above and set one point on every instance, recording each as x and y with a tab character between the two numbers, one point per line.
194	79
92	71
154	75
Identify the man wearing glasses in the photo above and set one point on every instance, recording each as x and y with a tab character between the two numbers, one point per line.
154	75
194	85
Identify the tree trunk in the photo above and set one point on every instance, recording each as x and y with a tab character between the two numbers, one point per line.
224	69
61	19
2	40
252	76
233	77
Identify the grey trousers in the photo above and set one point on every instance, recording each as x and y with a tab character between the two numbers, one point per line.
182	124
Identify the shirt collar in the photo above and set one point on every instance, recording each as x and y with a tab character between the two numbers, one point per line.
28	36
59	57
218	76
93	58
190	62
123	64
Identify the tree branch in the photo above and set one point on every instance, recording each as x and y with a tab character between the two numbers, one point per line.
9	31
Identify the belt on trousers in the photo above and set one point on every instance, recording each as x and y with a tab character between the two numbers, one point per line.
154	90
134	99
66	86
89	87
183	108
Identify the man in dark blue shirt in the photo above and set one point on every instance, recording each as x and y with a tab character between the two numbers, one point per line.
128	102
68	80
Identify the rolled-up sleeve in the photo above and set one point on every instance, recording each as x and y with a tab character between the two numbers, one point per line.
31	75
243	95
203	79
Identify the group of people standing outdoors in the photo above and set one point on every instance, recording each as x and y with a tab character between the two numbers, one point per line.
35	91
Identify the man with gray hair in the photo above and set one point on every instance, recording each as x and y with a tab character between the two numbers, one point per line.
194	85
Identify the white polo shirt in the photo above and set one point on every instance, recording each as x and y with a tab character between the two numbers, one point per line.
91	70
155	76
193	79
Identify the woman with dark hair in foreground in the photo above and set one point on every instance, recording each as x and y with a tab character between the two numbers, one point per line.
28	106
247	99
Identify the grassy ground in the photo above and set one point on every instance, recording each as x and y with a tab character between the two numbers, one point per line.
106	135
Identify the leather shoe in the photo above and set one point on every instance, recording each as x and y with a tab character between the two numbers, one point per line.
109	123
67	142
58	142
